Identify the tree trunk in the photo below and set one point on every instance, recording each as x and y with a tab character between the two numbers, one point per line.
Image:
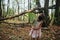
29	7
0	10
18	9
8	7
57	19
13	9
3	9
57	13
46	11
38	3
46	7
24	14
52	14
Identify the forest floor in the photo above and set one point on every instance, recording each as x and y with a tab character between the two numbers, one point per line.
22	33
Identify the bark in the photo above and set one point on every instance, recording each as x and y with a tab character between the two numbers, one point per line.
0	10
29	7
57	13
8	7
18	10
3	8
46	11
38	3
46	7
52	14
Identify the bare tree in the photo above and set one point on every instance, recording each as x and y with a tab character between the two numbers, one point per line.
3	8
8	7
46	7
46	11
57	12
29	7
13	7
38	3
0	10
18	6
52	14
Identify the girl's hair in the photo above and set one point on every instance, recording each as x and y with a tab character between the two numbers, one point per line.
40	18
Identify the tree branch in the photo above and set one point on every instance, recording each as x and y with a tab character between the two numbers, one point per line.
51	7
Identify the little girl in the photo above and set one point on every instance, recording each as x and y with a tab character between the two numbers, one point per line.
35	31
